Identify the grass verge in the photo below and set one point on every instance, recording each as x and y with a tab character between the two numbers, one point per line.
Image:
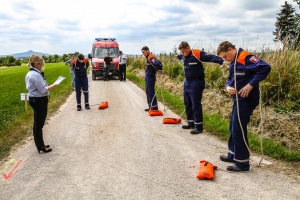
16	123
219	126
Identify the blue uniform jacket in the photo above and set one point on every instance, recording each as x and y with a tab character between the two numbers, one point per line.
152	65
193	68
80	68
249	69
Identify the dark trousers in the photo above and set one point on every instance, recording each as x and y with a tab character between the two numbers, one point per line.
192	94
81	83
40	107
106	71
122	69
150	92
236	145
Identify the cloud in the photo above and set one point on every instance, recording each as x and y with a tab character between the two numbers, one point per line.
177	9
23	7
63	26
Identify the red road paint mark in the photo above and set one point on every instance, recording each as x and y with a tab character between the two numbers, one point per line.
11	173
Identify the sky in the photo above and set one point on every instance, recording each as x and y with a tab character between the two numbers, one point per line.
64	26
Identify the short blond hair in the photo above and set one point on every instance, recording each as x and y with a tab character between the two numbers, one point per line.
35	59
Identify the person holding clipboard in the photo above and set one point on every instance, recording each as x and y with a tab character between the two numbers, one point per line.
38	91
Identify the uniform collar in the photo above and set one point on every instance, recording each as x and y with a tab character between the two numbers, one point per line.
35	69
190	53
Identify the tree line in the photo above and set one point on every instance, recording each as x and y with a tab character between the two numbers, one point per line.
12	61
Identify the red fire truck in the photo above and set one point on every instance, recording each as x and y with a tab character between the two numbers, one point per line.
100	48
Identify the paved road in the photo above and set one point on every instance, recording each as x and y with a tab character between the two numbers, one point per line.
122	153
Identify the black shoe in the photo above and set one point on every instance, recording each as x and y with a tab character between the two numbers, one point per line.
44	149
147	109
226	159
187	127
47	146
78	109
196	131
234	168
87	108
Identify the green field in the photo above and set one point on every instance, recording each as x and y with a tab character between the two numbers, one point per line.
15	122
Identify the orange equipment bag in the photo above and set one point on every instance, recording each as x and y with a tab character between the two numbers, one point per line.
206	170
171	120
103	105
155	113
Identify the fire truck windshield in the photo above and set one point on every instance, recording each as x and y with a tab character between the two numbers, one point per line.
101	52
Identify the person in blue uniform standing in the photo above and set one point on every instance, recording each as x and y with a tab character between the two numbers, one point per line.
38	91
194	84
153	65
81	65
245	73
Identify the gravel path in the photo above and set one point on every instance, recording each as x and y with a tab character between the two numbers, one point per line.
122	153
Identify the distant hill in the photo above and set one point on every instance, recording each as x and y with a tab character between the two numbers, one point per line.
26	54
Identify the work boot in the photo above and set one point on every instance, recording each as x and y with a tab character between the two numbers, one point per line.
234	168
196	131
187	127
226	159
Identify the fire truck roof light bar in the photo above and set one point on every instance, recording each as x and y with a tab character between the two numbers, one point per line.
99	39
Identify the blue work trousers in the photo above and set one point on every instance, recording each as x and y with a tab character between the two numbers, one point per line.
150	92
81	84
192	94
72	73
236	144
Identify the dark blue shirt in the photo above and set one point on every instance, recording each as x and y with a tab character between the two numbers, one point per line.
193	68
152	65
80	68
249	69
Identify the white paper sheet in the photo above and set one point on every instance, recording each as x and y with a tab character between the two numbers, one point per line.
59	80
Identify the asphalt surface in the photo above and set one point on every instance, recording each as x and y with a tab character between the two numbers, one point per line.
122	153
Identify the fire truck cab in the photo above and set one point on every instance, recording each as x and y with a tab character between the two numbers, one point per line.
100	48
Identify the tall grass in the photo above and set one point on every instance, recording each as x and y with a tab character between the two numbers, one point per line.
280	89
15	122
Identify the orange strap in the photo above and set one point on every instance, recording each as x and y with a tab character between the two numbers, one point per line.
196	53
242	57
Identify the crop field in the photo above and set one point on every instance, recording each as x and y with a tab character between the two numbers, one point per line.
12	109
